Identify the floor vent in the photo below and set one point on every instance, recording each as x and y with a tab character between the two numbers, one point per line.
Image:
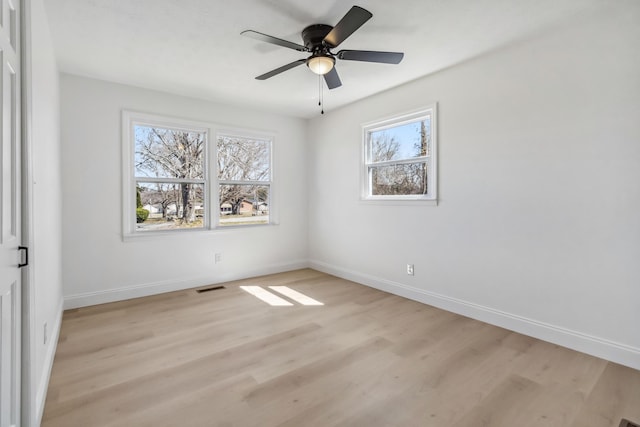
627	423
213	288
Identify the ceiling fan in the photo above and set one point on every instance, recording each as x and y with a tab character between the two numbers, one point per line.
320	39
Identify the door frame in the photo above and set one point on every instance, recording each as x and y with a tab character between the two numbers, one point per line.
28	401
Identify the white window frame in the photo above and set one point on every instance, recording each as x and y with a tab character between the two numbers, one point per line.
130	119
431	162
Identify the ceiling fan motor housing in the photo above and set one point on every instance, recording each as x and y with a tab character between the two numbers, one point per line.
313	36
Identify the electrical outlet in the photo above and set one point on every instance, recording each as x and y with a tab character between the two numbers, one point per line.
410	269
45	333
217	257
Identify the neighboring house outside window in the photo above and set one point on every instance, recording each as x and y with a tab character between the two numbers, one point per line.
400	158
179	179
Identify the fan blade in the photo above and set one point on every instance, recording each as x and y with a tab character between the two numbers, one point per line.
273	40
371	56
350	22
332	79
282	69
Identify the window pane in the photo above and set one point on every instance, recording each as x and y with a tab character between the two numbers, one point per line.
169	206
405	141
244	204
169	153
405	179
243	159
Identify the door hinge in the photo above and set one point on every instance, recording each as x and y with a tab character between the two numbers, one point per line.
26	256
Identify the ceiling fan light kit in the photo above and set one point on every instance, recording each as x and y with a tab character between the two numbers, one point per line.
321	64
319	39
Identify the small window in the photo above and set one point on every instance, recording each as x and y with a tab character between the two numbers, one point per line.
400	157
244	180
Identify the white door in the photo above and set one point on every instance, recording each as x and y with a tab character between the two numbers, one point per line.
10	256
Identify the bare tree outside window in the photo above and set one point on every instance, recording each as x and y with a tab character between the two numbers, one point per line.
390	148
399	158
170	174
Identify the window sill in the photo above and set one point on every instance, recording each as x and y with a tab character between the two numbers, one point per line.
399	202
177	234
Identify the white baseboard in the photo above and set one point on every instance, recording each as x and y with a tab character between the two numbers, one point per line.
146	289
43	383
595	346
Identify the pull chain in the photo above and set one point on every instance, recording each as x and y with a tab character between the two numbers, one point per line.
320	94
319	99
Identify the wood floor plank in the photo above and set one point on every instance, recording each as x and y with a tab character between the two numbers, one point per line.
519	401
615	396
364	358
548	363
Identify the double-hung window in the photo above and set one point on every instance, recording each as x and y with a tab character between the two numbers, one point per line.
400	157
182	175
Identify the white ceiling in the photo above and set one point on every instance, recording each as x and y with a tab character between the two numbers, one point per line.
194	47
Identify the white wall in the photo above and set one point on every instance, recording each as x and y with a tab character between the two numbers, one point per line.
46	196
98	266
538	225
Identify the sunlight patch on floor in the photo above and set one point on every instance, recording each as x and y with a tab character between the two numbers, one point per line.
295	295
276	301
266	296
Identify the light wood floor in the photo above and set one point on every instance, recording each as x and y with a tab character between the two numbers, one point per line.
365	358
